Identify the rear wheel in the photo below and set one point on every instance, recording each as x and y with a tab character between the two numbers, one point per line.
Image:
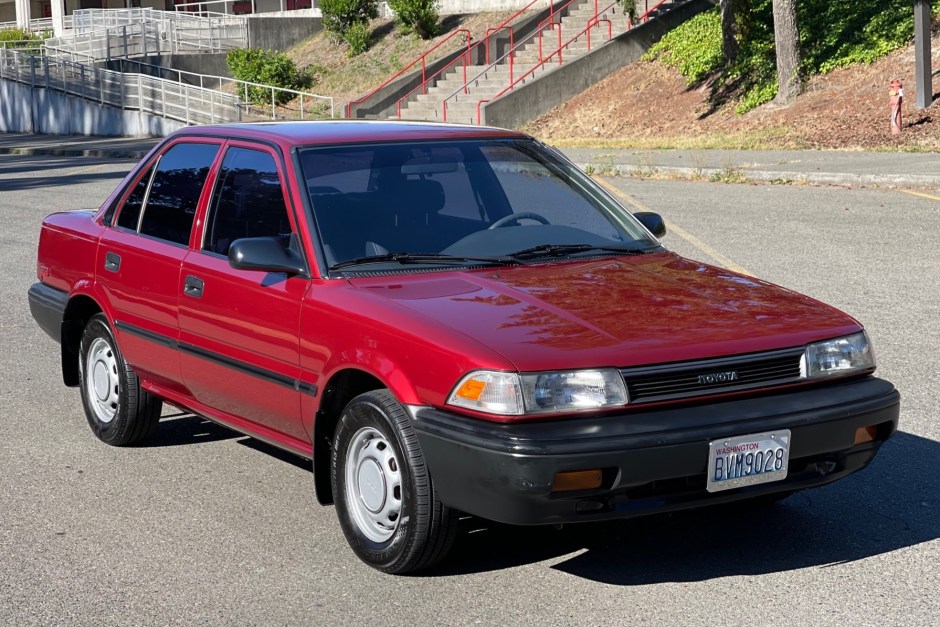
385	498
119	412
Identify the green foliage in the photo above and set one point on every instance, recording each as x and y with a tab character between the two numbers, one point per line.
359	38
340	15
694	48
266	67
419	16
833	34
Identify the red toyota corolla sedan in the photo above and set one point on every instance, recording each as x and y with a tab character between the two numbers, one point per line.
446	319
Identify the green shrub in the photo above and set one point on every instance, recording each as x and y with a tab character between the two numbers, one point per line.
340	15
20	38
359	38
694	47
419	16
266	67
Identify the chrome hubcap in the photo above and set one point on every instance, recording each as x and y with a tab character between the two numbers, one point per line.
101	380
373	484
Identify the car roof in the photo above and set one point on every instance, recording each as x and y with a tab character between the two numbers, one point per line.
313	132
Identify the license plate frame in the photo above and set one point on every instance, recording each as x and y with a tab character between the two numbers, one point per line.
733	462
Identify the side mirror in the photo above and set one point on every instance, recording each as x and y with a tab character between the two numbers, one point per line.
265	254
653	222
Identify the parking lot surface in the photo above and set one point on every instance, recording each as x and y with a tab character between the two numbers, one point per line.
205	526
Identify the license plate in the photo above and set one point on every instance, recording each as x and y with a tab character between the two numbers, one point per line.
748	460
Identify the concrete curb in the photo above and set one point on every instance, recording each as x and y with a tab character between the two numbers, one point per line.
766	176
107	153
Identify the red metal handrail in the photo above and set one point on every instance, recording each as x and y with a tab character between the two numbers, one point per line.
590	25
422	59
465	57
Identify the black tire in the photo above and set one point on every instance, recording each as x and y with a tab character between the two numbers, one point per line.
119	412
404	531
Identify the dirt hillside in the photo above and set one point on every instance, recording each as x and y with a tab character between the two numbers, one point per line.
647	105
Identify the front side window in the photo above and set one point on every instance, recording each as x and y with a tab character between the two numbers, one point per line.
170	205
248	202
458	200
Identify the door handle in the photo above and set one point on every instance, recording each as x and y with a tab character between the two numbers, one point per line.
112	262
193	286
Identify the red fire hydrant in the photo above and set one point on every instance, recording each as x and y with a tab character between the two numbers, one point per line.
897	99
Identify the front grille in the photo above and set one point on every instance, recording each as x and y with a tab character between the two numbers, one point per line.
711	376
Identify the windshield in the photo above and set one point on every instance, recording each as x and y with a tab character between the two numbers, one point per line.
459	203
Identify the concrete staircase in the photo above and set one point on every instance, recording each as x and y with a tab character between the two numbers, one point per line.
485	82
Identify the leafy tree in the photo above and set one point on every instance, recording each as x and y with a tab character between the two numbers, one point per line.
729	41
787	43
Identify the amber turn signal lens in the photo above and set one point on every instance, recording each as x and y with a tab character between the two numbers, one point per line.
577	480
471	389
866	434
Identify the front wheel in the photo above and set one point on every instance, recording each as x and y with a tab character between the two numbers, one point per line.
385	499
119	412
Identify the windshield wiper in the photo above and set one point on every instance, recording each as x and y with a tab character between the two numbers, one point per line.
560	250
405	258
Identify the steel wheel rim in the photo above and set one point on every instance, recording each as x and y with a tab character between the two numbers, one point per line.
102	386
373	484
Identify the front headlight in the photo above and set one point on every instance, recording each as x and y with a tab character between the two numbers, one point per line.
843	355
539	393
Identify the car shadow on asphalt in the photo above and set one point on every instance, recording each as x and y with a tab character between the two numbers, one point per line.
180	429
891	505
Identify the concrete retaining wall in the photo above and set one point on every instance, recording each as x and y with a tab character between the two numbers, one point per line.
27	110
278	33
534	98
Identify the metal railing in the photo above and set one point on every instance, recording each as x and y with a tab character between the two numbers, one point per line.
592	22
465	57
163	98
38	25
171	99
307	104
102	34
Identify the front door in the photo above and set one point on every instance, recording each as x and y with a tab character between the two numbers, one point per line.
239	346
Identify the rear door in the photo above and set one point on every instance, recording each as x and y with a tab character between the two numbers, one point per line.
239	346
139	258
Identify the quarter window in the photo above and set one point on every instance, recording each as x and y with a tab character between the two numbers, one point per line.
174	194
130	212
248	201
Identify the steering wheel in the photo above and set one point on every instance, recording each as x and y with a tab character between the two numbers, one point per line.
516	217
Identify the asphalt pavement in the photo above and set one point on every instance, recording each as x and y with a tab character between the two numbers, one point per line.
836	167
205	526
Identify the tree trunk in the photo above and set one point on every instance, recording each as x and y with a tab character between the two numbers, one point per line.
729	42
787	38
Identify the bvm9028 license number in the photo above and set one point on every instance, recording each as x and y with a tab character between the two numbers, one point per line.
748	460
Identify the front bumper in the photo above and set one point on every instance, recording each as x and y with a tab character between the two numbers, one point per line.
652	461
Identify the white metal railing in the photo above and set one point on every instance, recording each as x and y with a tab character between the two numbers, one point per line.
37	25
29	46
244	7
178	99
101	34
306	104
167	99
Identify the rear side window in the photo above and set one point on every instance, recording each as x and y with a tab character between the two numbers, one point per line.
248	201
130	212
177	184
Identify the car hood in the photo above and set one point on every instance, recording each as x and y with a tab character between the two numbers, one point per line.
620	312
